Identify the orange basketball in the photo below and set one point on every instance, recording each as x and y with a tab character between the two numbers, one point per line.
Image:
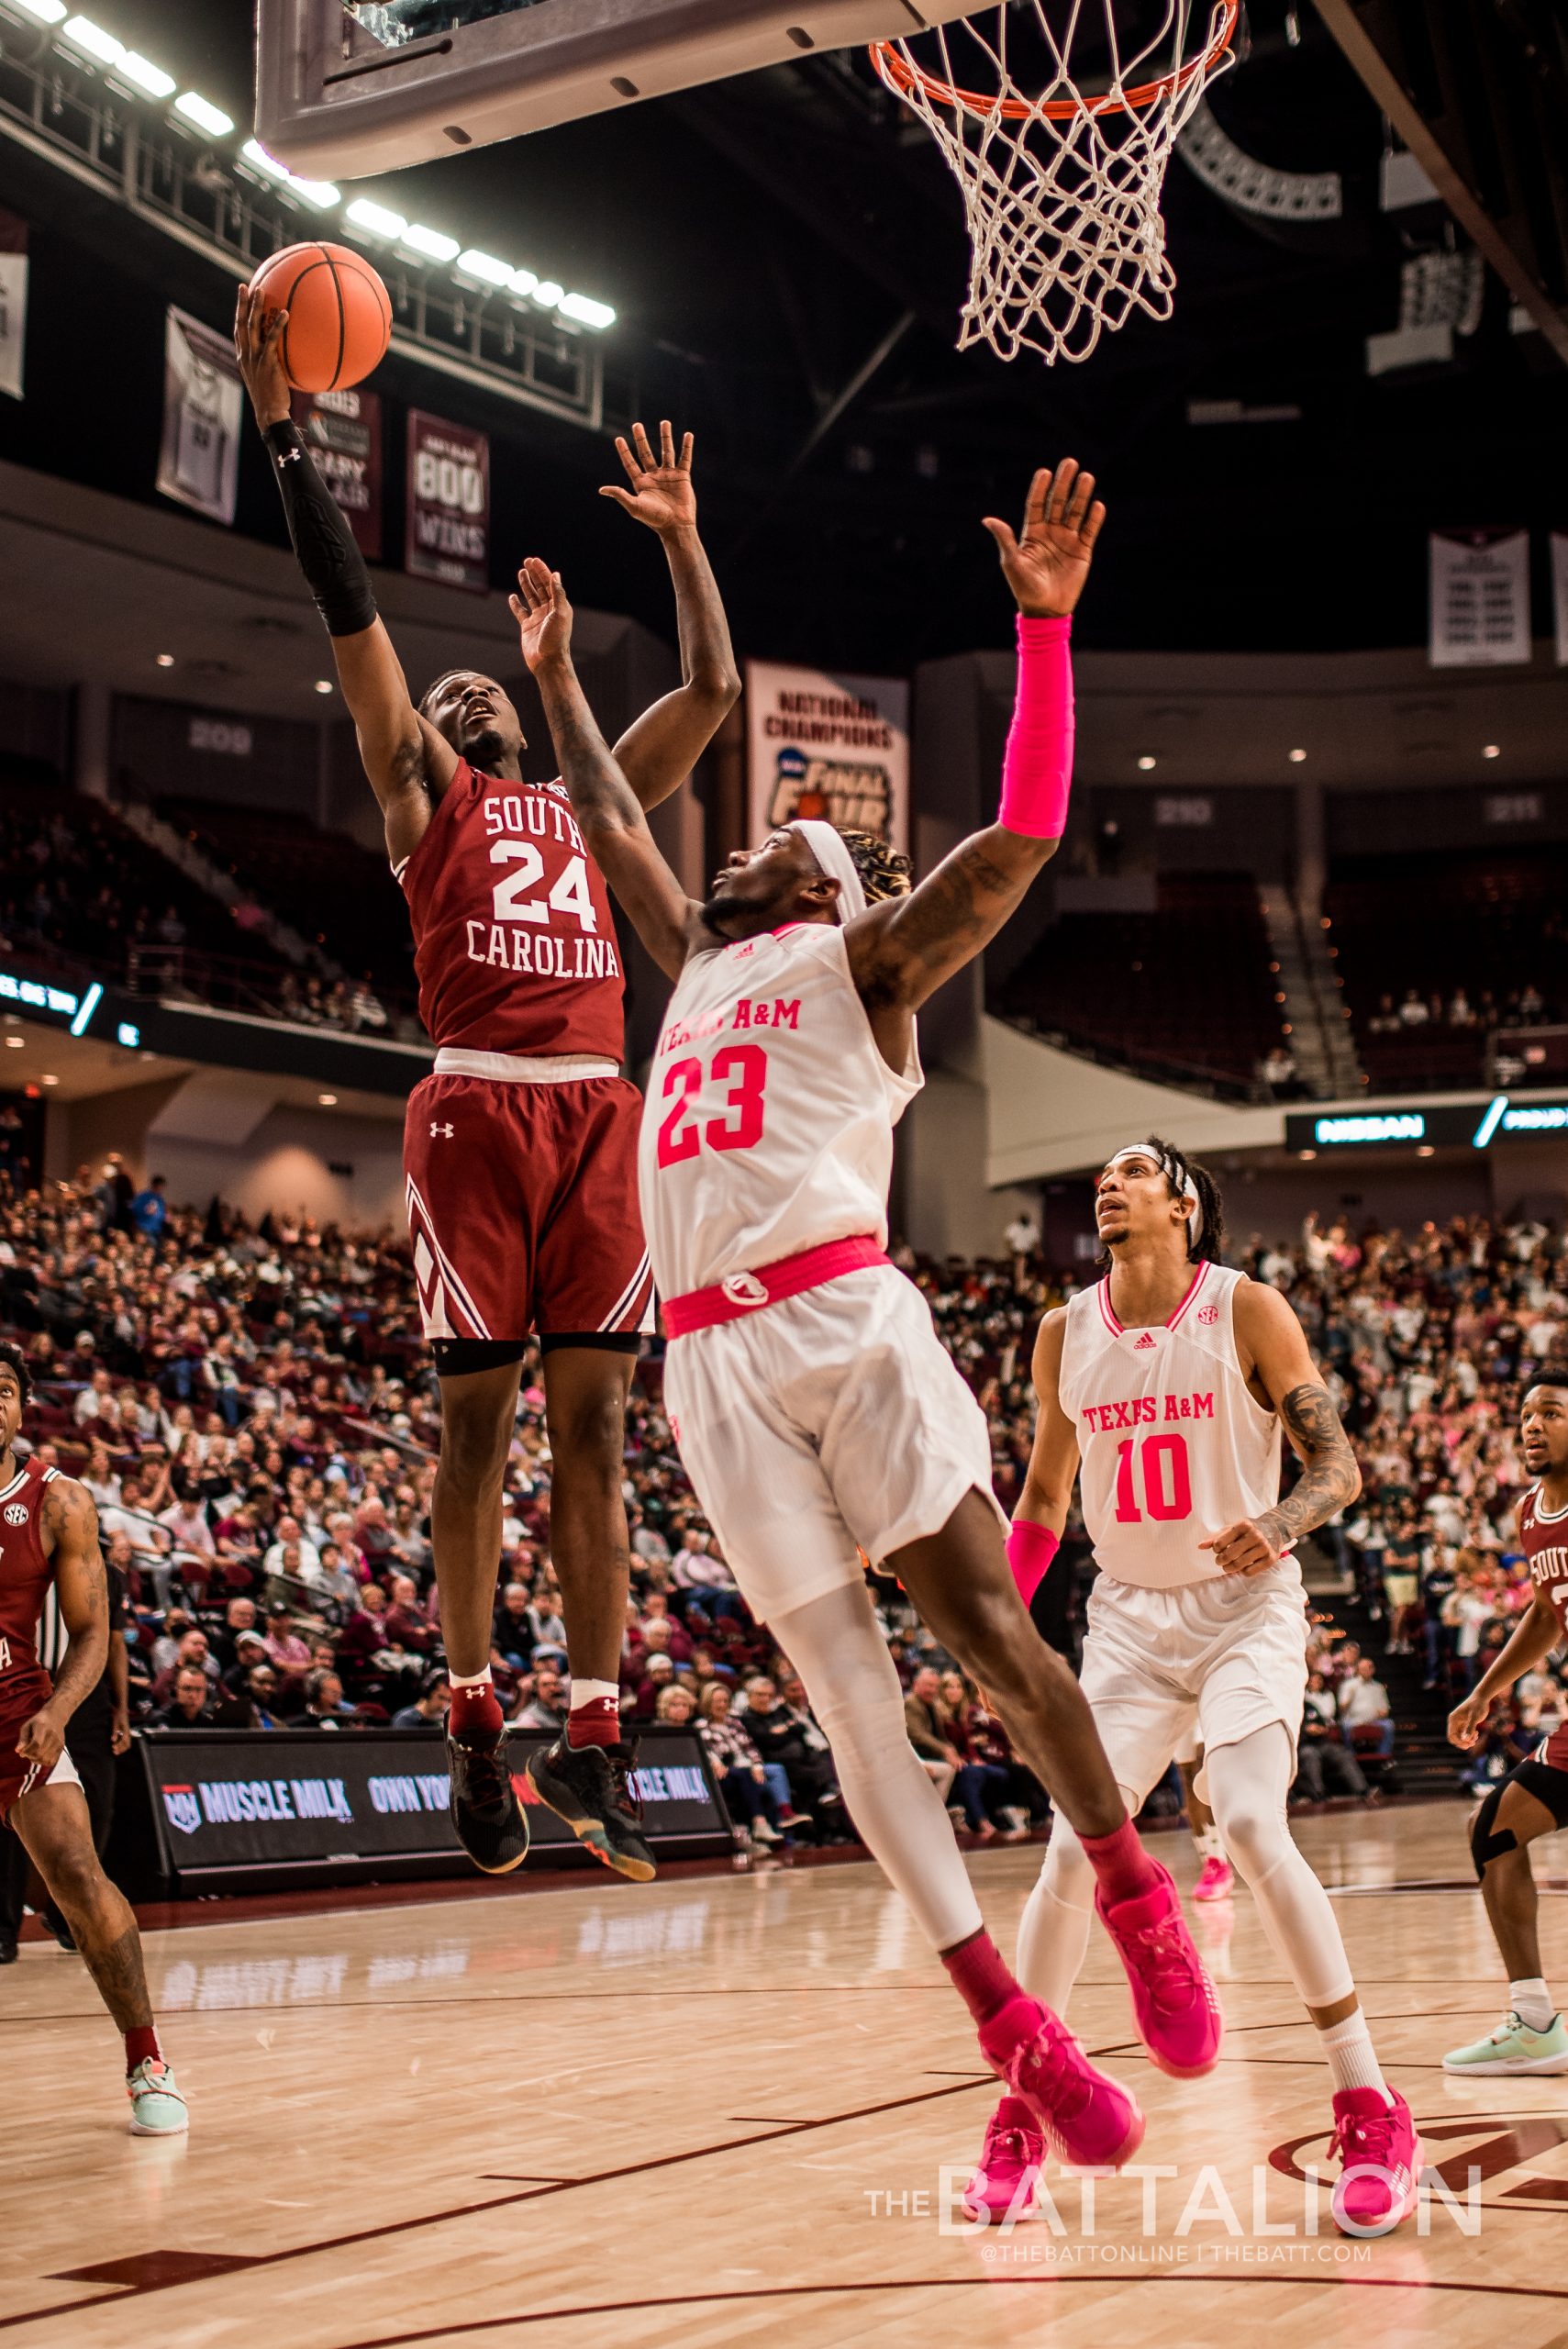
339	313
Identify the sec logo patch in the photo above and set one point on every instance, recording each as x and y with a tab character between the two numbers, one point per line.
17	1513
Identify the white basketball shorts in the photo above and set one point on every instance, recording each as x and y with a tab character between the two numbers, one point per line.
1206	1664
832	1418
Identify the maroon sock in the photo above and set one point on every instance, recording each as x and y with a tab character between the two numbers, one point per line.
598	1722
477	1709
977	1972
142	2046
1122	1865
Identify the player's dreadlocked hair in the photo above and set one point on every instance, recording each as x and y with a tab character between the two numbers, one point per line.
1186	1179
885	871
15	1359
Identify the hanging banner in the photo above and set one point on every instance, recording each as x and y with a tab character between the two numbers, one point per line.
203	405
342	430
824	745
1480	598
449	504
1559	593
13	302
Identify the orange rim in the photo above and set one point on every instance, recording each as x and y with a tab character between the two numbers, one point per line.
897	71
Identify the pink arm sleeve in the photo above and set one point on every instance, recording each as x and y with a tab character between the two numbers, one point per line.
1037	773
1030	1549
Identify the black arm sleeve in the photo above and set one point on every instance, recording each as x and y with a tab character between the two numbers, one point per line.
333	566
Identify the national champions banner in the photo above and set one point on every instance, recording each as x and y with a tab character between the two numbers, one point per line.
342	430
1480	598
825	745
204	405
12	303
447	532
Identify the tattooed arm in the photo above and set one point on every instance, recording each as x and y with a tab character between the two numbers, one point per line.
1275	1358
607	810
70	1526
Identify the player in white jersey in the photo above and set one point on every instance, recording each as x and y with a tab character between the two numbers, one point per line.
1162	1390
813	1404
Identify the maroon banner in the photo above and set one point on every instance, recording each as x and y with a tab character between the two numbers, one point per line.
343	429
448	534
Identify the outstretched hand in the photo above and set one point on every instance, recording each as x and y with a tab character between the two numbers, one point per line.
542	614
661	493
1048	564
257	345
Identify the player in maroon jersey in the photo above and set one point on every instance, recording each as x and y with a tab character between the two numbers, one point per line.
521	1149
48	1533
1532	1800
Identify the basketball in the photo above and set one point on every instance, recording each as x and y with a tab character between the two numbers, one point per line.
339	313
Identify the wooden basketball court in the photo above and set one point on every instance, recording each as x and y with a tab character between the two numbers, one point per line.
718	2110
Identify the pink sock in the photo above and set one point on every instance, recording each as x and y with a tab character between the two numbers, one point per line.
979	1978
475	1710
1122	1865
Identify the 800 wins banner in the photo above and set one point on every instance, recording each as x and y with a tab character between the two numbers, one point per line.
448	534
821	745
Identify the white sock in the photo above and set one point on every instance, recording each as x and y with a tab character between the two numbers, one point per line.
594	1692
1532	2003
1351	2062
472	1679
1210	1843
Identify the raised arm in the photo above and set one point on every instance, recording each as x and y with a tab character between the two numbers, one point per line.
659	750
407	763
902	949
608	810
69	1523
1274	1357
1041	1513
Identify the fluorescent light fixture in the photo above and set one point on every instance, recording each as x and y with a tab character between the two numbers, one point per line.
548	294
1296	757
50	12
1146	763
147	77
204	113
430	242
321	193
164	660
486	268
377	218
1491	749
51	1080
323	685
586	311
522	281
327	1100
17	1043
83	33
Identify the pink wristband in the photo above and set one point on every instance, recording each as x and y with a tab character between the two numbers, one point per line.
1030	1549
1037	773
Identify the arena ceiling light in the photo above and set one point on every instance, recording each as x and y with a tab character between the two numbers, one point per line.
195	108
430	243
365	213
83	33
1491	749
145	75
484	269
48	12
1146	763
319	193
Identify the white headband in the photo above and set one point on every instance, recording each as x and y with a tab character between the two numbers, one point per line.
831	854
1176	1172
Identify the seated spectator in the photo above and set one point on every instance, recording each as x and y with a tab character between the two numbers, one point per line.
407	1625
677	1705
545	1707
284	1645
1323	1764
325	1706
982	1783
793	1746
430	1707
191	1654
740	1775
923	1719
511	1633
262	1688
189	1706
1364	1715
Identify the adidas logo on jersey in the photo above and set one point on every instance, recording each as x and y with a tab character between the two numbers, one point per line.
1145	1343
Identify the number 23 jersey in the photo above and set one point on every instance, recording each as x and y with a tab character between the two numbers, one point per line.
1175	1447
768	1125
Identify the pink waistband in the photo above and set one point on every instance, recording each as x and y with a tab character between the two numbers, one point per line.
741	1292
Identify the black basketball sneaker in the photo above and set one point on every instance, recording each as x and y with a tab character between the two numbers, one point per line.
590	1787
491	1823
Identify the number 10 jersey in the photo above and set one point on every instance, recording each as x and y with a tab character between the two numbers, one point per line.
768	1126
1174	1446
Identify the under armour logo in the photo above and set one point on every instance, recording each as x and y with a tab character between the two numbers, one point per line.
1144	1343
744	1288
435	1129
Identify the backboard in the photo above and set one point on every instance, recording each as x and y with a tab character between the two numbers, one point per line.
349	87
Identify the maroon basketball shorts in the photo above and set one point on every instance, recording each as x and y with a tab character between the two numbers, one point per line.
522	1207
23	1692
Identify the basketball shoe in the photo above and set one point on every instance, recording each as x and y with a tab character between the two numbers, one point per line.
1214	1882
1514	2047
1088	2119
157	2108
491	1823
590	1787
1014	2148
1174	2008
1379	2182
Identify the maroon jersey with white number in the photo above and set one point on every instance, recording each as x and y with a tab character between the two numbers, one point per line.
1543	1538
26	1574
513	941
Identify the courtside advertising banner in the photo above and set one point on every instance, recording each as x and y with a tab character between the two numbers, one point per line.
448	534
1559	593
1480	598
343	432
204	404
13	302
824	745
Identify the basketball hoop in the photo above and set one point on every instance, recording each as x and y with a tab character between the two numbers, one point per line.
1061	189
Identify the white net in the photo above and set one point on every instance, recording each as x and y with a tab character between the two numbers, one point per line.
1061	184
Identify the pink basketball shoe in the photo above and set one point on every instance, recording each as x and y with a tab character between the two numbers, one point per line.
1014	2148
1215	1881
1088	2119
1174	2002
1381	2155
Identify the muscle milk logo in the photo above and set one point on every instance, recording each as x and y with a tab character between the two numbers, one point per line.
16	1512
185	1811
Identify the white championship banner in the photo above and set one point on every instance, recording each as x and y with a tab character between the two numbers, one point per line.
1480	598
12	303
823	745
204	404
1560	592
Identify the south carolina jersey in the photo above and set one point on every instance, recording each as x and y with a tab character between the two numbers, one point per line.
1543	1538
768	1125
514	942
1174	1446
26	1574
